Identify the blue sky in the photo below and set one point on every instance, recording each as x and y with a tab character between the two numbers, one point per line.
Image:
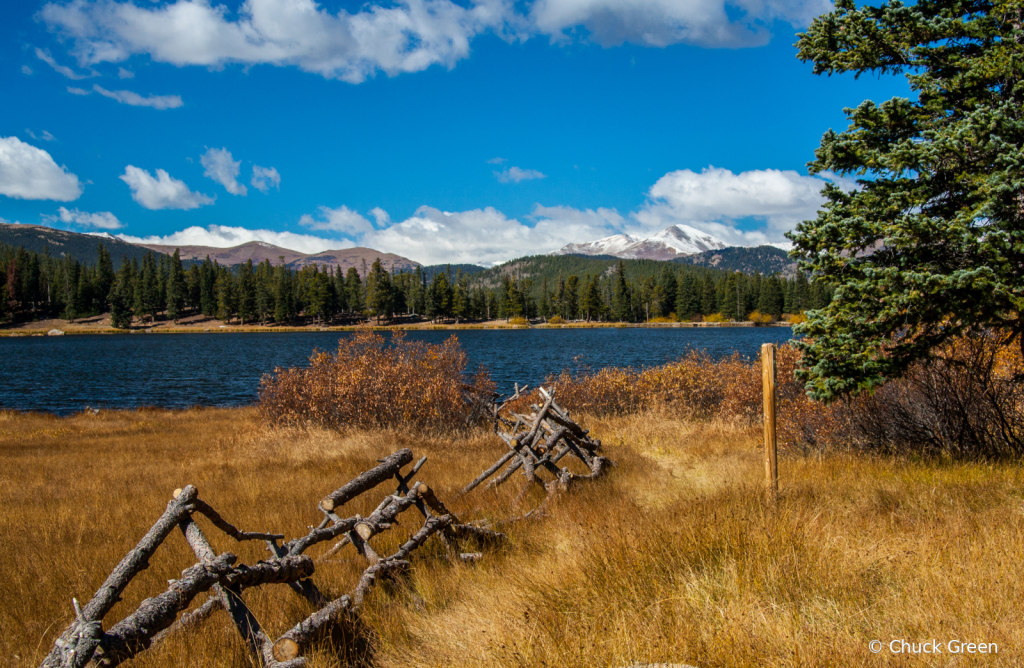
442	131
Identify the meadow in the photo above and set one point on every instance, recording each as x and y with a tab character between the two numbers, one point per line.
676	556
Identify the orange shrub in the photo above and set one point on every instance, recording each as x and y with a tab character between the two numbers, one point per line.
760	318
371	382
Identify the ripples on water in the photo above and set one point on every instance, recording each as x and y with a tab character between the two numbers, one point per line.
65	374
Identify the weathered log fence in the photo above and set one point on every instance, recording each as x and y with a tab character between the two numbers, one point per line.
537	441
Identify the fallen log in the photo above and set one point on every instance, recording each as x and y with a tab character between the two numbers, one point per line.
367	480
76	644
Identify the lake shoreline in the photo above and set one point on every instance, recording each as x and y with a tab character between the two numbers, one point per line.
417	327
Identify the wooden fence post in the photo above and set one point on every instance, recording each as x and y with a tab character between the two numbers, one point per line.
771	461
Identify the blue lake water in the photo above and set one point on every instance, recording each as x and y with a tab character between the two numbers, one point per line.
65	374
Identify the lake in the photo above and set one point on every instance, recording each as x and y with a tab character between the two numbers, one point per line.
65	374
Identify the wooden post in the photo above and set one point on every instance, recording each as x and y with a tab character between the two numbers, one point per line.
771	461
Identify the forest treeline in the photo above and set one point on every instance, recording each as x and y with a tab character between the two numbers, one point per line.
37	285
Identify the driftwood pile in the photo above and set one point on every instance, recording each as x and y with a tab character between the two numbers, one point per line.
536	441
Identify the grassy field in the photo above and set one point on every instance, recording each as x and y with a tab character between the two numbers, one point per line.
674	557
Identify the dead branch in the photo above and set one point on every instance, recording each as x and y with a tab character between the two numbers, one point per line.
367	481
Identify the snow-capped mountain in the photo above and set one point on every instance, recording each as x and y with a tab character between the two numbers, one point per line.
668	244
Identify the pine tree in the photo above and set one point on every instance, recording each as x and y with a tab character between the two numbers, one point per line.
709	296
227	295
104	274
207	295
621	306
929	247
668	290
246	293
282	294
193	289
354	289
176	289
378	291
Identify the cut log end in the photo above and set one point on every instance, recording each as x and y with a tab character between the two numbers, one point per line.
327	504
423	489
364	531
176	493
285	649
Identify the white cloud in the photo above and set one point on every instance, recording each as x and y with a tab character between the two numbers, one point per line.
496	161
343	220
46	136
264	177
25	69
659	23
223	169
27	172
122	73
221	236
162	192
713	201
61	69
515	175
714	198
409	36
406	36
484	236
101	220
381	216
134	99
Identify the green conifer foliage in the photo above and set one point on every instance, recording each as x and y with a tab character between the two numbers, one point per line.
176	288
931	244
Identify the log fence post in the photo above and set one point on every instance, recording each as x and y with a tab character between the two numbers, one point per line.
771	459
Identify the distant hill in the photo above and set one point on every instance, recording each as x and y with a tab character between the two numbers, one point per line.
258	251
540	267
747	259
61	243
469	269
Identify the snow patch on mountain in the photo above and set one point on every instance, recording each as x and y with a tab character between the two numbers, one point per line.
665	245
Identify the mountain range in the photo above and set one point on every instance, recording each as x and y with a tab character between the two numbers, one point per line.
258	251
60	243
669	244
678	243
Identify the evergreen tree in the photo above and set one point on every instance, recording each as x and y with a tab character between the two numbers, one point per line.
709	296
571	299
620	302
176	288
378	291
668	289
591	305
460	297
939	202
687	299
207	295
227	295
246	293
354	289
282	294
104	274
193	289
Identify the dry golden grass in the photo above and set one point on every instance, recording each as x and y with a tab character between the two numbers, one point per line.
673	557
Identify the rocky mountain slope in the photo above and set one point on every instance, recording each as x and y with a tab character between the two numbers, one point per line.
669	244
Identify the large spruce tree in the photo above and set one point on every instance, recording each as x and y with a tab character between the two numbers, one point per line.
931	243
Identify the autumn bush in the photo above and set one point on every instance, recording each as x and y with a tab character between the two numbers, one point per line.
968	400
373	382
760	318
